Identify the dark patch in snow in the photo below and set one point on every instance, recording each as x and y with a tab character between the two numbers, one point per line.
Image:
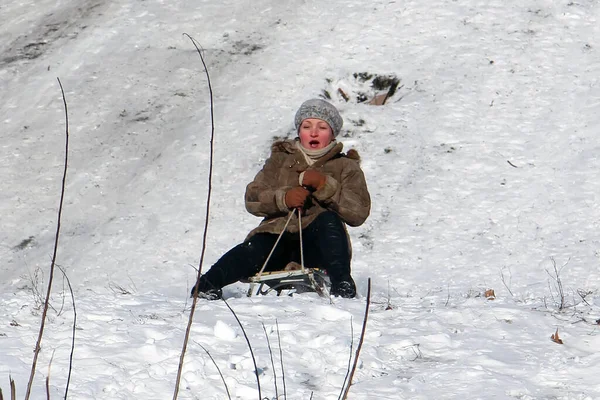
245	48
67	22
25	243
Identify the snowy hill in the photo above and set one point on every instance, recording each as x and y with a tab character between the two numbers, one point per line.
482	169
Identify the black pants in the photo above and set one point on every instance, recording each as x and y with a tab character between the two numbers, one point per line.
325	245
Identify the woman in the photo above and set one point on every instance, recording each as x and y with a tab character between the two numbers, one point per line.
312	175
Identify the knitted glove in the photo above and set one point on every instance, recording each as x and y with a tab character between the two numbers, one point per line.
296	197
313	179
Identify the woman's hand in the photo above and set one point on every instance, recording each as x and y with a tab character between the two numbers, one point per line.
313	179
296	197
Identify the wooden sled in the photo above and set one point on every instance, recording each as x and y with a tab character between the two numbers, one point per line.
293	278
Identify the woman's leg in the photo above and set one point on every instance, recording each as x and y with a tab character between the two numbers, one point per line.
243	261
326	245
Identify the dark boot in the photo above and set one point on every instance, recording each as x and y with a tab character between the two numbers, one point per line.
344	288
210	294
242	261
207	291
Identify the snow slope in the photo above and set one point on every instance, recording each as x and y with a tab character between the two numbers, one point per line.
482	169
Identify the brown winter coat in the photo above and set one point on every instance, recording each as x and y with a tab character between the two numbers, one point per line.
345	191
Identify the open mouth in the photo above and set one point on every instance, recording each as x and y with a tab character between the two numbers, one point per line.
314	144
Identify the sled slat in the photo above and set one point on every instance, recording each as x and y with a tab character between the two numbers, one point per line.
309	280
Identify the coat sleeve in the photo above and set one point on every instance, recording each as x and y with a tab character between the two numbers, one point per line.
264	198
349	196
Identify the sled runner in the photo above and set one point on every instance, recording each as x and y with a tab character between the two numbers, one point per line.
292	278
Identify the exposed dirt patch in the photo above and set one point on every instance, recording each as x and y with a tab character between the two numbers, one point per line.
66	22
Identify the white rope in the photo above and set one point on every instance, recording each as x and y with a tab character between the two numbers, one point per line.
310	276
301	246
291	214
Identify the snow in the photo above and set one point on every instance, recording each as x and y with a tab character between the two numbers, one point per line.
482	169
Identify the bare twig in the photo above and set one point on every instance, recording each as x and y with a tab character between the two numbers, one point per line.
73	332
349	359
210	164
48	377
389	299
37	278
505	284
187	287
62	302
448	297
51	276
417	352
13	391
195	295
360	342
559	285
281	360
118	289
272	361
343	94
218	369
583	294
133	285
249	347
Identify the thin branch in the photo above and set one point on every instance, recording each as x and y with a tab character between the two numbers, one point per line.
281	360
13	390
210	172
505	284
272	361
218	369
349	359
62	302
249	347
417	352
210	164
559	284
36	281
583	294
448	297
48	377
73	332
389	299
360	342
51	277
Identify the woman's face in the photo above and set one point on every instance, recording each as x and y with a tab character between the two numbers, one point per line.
315	134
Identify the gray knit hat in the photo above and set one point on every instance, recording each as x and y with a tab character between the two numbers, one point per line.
321	109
